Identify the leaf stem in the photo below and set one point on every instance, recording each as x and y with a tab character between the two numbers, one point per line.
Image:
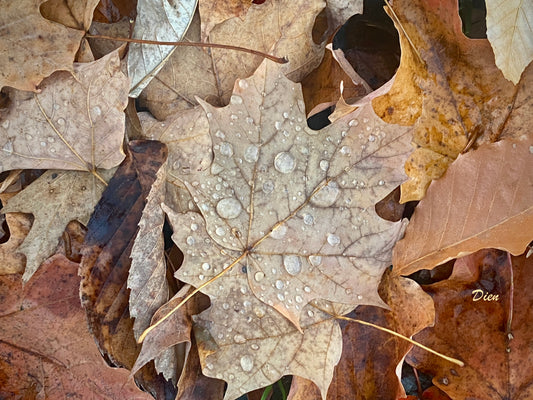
413	342
279	60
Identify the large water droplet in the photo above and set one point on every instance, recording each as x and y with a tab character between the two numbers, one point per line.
326	196
243	84
279	232
268	187
229	208
259	275
345	150
333	240
315	260
279	284
309	219
190	241
247	363
226	149
292	264
206	266
324	165
251	154
234	99
284	162
239	339
254	346
220	231
97	110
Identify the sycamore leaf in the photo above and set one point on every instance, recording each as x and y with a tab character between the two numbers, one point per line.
484	200
510	32
54	199
162	20
45	348
147	276
289	212
282	28
29	45
75	122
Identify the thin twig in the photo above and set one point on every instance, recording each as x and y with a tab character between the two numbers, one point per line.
280	60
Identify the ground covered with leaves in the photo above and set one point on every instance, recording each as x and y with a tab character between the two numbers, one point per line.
349	217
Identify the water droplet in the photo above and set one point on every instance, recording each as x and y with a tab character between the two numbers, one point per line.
281	297
254	347
50	139
194	227
359	297
8	147
226	149
279	232
247	363
326	196
201	277
279	284
259	275
315	260
353	122
277	125
239	339
324	165
298	299
43	143
190	241
220	231
229	208
251	154
60	121
260	312
333	240
56	106
310	313
220	134
292	264
309	219
206	266
209	366
285	114
29	137
371	138
234	99
345	150
307	289
284	162
97	110
5	124
225	306
268	187
243	84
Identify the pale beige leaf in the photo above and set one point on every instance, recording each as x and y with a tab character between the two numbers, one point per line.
76	121
485	200
213	12
162	20
339	11
147	278
54	199
510	32
29	45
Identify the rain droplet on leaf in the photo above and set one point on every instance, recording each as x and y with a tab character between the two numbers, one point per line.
292	264
284	162
229	208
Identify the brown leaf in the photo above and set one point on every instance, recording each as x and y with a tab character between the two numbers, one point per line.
484	200
76	14
449	90
75	122
45	349
19	226
214	12
497	366
54	199
29	44
106	254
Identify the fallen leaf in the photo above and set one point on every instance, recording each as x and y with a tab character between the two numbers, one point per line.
213	12
19	226
75	122
54	199
76	14
510	33
106	252
160	20
447	88
485	199
497	366
30	45
45	349
339	11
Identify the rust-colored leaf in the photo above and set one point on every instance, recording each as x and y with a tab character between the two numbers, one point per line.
484	200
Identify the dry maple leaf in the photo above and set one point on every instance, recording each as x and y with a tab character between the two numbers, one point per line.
291	212
75	122
485	199
29	45
213	12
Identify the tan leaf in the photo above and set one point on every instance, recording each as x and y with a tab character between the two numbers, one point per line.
147	277
161	20
76	14
12	261
339	11
213	12
510	32
29	45
282	28
485	199
45	348
75	122
54	199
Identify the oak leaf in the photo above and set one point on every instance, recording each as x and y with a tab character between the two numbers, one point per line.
485	199
510	33
75	122
29	45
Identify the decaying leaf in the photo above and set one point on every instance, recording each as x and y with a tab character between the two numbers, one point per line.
76	14
54	199
45	349
472	324
510	32
214	12
75	122
106	252
160	20
19	226
447	87
29	45
484	200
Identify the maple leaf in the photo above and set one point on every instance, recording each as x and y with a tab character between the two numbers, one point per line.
290	212
463	213
214	12
76	121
